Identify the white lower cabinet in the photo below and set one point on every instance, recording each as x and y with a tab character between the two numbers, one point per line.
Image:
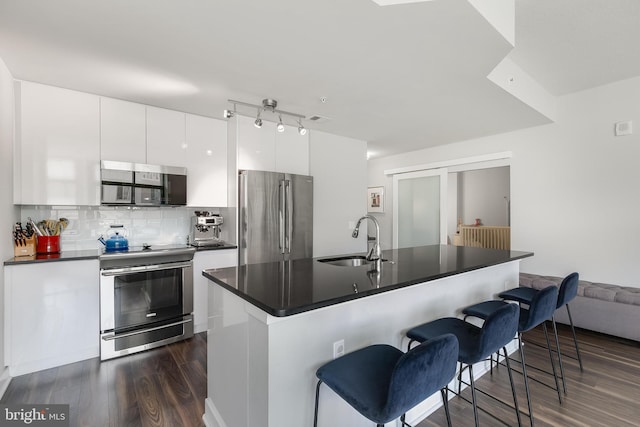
51	314
204	260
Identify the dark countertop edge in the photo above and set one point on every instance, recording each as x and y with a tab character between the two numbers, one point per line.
301	309
244	296
215	248
87	254
62	256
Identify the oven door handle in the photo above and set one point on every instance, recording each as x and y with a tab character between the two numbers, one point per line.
111	337
144	268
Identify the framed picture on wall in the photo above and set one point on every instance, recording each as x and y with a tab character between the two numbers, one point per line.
375	199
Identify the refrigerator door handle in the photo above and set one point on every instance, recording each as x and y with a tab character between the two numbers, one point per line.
281	215
289	216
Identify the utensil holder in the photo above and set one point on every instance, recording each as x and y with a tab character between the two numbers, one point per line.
28	249
48	244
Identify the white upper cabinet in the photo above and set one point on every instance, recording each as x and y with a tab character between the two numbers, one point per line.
292	151
256	147
57	150
206	161
269	150
166	144
122	131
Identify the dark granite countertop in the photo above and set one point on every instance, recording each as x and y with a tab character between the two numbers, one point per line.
91	254
216	248
62	256
290	287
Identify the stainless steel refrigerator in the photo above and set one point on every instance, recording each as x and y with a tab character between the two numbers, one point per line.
275	216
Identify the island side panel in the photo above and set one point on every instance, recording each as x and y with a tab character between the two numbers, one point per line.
227	360
295	346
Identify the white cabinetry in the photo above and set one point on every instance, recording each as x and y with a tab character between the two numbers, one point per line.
269	150
122	131
51	314
166	144
206	161
57	150
204	260
256	147
292	151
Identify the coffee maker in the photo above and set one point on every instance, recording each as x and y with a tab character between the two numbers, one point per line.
205	229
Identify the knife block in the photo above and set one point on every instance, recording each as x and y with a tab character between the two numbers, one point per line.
29	249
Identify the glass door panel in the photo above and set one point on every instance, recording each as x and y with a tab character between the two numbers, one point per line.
419	208
147	297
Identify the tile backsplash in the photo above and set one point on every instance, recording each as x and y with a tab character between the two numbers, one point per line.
148	225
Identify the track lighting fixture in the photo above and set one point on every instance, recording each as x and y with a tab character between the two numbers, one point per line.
268	106
301	129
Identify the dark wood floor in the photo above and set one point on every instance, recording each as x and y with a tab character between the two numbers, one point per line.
161	387
607	393
167	387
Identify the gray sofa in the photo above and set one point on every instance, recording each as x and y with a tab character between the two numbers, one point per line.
610	309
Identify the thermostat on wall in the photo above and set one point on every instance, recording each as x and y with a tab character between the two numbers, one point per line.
624	128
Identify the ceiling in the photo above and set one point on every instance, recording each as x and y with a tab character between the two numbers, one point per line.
401	77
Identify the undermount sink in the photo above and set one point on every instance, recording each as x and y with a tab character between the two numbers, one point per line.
348	261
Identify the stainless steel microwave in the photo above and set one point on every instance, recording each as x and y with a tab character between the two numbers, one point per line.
138	184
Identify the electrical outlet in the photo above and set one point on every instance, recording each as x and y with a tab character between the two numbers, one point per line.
338	349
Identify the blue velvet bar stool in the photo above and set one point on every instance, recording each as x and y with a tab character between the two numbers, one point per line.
476	343
382	383
567	291
540	309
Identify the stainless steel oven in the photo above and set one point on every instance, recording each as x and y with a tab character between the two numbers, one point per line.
146	299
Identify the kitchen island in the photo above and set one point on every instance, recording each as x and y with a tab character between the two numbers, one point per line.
272	325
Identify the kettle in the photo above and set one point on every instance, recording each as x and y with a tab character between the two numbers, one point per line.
116	239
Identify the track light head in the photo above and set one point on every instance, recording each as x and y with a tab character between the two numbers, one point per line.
301	129
280	126
227	114
258	122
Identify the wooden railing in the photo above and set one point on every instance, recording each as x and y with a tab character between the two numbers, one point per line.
482	236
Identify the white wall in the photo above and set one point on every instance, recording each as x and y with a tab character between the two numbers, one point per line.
8	214
339	169
574	185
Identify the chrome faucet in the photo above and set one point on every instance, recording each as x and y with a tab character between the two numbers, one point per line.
375	253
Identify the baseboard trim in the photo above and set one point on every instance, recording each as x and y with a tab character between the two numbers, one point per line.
211	415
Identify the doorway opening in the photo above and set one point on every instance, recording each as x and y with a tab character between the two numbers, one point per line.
467	202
